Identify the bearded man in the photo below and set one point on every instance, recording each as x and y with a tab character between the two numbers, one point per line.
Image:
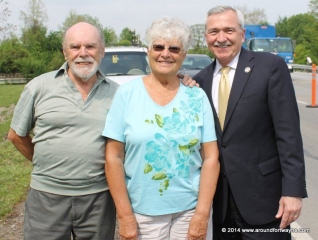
66	111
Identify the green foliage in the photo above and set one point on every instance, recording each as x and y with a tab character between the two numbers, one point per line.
310	41
126	34
38	52
53	41
34	65
4	125
123	43
110	36
130	36
14	168
303	29
203	50
301	52
56	61
14	177
11	51
294	26
34	38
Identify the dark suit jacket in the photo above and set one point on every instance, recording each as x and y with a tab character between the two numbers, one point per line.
261	152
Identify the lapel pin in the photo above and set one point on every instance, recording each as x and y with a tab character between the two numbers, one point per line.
247	69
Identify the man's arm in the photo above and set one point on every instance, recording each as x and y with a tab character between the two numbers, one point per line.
289	142
23	144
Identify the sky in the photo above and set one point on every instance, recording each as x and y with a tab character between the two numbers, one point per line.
139	14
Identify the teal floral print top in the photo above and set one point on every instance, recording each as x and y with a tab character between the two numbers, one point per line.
162	146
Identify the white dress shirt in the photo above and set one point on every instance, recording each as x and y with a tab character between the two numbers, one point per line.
217	76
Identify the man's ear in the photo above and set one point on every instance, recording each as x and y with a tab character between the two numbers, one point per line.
65	55
102	53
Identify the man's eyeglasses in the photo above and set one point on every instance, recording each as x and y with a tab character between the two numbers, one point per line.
160	48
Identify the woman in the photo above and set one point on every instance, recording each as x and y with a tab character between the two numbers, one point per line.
161	146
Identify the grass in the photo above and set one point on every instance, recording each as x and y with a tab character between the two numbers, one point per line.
9	94
15	173
14	168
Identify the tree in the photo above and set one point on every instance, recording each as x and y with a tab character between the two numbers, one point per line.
6	29
255	16
303	29
35	15
56	61
11	52
73	18
129	37
313	8
53	41
34	30
295	26
198	39
34	38
126	34
109	35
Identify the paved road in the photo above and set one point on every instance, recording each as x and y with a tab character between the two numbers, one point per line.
309	127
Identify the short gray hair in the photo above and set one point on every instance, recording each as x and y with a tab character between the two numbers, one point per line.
221	9
169	29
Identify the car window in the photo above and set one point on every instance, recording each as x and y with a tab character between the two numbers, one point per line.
124	63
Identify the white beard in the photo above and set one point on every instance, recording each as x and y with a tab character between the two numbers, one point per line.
84	72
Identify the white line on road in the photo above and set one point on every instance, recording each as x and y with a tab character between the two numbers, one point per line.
302	102
299	236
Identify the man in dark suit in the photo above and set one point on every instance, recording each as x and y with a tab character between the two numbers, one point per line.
262	177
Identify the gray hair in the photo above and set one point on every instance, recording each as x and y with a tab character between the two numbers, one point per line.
100	33
221	9
169	29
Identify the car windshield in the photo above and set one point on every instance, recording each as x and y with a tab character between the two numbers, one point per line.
272	45
196	62
124	63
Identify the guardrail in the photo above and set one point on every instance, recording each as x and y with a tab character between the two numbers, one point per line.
13	81
12	78
307	68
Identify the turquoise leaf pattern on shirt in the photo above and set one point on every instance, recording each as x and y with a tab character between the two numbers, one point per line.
169	154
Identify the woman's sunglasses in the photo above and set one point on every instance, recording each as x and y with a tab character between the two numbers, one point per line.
160	48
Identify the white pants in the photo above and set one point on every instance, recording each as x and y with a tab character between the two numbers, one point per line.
167	227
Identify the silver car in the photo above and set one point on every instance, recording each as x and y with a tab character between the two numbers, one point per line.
194	63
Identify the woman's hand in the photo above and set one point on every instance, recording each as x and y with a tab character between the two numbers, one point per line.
198	227
127	228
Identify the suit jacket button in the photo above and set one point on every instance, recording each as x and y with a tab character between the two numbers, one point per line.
223	146
224	175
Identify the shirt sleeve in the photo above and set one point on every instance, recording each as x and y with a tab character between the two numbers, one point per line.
208	129
114	124
23	118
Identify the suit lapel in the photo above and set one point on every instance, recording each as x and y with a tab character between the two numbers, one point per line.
242	73
208	87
